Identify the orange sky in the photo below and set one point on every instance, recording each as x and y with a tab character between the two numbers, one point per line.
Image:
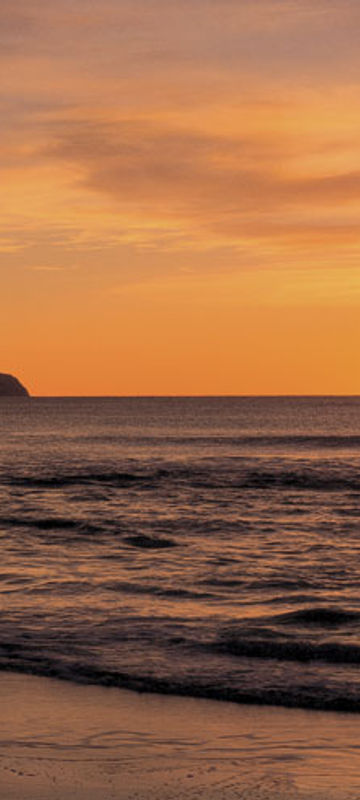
180	196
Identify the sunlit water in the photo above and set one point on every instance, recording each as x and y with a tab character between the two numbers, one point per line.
196	546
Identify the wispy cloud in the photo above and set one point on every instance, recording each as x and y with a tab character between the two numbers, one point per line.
207	186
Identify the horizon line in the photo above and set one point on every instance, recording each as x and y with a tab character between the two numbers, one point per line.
187	396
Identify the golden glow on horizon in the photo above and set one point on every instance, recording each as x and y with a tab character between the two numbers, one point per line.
182	197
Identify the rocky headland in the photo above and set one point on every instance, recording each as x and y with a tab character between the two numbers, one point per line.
11	387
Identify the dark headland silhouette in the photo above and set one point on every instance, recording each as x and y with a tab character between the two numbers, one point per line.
11	387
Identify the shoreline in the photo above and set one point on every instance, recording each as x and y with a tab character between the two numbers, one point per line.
67	741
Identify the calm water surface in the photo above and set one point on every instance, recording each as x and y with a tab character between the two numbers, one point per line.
202	546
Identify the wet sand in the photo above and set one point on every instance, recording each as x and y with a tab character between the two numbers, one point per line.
60	741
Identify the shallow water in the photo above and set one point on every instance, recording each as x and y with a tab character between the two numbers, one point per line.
202	546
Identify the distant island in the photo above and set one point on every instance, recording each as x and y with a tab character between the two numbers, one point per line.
11	387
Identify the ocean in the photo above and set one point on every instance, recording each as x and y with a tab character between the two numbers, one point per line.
196	546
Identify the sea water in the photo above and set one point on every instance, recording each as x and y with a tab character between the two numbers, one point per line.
197	546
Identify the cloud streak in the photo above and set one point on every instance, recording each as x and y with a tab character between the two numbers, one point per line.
225	187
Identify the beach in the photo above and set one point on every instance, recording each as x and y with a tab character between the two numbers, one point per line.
62	741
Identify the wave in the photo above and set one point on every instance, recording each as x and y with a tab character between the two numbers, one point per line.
59	481
40	523
300	479
228	475
303	440
149	542
314	696
312	441
298	635
321	616
289	650
267	660
158	591
82	528
46	525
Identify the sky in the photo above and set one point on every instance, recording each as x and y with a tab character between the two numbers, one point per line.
180	196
